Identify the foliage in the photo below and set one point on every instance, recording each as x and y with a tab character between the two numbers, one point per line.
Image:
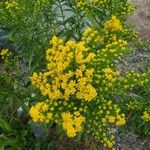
34	22
9	138
14	89
137	102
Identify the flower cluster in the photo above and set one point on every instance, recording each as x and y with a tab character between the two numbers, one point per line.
78	83
133	78
40	4
82	4
106	114
40	113
105	57
66	79
6	57
91	36
11	5
69	76
134	105
106	78
113	25
72	123
146	116
125	8
109	74
99	2
5	53
112	31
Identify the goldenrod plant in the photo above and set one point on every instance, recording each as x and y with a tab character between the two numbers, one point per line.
79	85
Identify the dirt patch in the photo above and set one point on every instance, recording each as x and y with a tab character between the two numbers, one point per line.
141	18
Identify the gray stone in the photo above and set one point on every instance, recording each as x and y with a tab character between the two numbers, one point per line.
3	39
38	131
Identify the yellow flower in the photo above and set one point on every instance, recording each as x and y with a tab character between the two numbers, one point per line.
34	113
71	132
71	44
5	53
56	82
79	58
80	47
89	57
121	121
49	116
72	124
44	107
108	70
39	113
82	81
90	36
111	119
79	120
78	73
146	116
109	144
113	24
11	5
104	120
109	76
66	116
89	72
76	113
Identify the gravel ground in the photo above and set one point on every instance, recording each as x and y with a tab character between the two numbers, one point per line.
131	141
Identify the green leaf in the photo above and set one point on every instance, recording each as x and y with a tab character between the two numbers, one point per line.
5	126
50	145
2	147
4	140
